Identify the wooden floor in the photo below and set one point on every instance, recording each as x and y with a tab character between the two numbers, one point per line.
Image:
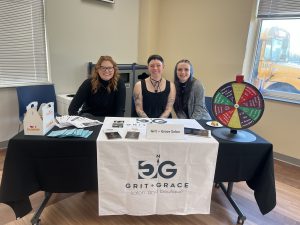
81	208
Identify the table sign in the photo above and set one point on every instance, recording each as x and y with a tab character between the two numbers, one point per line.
165	131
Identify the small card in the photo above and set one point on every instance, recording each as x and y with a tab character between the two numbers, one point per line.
57	133
113	135
70	133
198	132
118	123
132	135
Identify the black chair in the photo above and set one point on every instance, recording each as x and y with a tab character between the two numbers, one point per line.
133	112
39	93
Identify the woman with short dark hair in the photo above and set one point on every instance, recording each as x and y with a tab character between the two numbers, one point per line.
154	97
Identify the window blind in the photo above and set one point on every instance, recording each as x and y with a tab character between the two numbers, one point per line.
278	8
23	55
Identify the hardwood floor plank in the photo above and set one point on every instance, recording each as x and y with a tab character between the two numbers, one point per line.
289	174
82	209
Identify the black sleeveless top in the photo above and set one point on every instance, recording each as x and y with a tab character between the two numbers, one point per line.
154	104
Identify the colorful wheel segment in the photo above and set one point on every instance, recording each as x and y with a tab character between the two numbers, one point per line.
237	105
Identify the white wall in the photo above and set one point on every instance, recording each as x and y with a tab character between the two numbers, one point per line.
9	114
79	31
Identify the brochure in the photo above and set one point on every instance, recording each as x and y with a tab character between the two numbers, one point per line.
77	121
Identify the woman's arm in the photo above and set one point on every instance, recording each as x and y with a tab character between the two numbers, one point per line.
120	99
170	102
200	111
138	100
80	97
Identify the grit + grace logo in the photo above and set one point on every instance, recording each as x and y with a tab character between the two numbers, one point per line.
166	169
150	171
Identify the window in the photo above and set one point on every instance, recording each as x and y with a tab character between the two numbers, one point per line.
23	55
276	67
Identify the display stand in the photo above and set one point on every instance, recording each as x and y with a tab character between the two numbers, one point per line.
237	105
234	135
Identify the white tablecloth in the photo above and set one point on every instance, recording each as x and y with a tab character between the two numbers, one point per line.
144	177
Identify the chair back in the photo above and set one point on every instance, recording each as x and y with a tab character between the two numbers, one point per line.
40	93
208	104
133	112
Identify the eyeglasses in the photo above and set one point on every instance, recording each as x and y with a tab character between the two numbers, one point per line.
103	68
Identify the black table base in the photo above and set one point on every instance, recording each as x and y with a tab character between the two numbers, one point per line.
228	191
36	217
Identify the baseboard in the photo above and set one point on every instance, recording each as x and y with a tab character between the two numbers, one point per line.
3	144
287	159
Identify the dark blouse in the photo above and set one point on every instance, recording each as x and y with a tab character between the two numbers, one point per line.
154	104
101	103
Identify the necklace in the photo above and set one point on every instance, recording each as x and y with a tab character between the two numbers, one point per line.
155	84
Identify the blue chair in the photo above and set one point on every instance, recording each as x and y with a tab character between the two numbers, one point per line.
40	93
208	104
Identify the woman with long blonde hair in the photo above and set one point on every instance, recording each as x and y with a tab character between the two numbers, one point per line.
103	94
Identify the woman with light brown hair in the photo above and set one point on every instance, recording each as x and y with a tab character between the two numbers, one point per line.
103	94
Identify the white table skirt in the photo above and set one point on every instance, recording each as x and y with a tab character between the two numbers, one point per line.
145	177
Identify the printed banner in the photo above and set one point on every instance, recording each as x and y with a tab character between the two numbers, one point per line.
144	177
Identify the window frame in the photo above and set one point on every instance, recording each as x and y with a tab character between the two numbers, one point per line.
252	50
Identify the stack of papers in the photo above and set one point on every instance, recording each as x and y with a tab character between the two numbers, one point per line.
70	133
77	121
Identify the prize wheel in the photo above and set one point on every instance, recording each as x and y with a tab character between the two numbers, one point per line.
237	105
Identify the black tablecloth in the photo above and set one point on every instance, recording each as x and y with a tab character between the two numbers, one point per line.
41	163
65	165
251	162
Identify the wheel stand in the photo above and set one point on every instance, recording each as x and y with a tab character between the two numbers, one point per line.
35	220
241	217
